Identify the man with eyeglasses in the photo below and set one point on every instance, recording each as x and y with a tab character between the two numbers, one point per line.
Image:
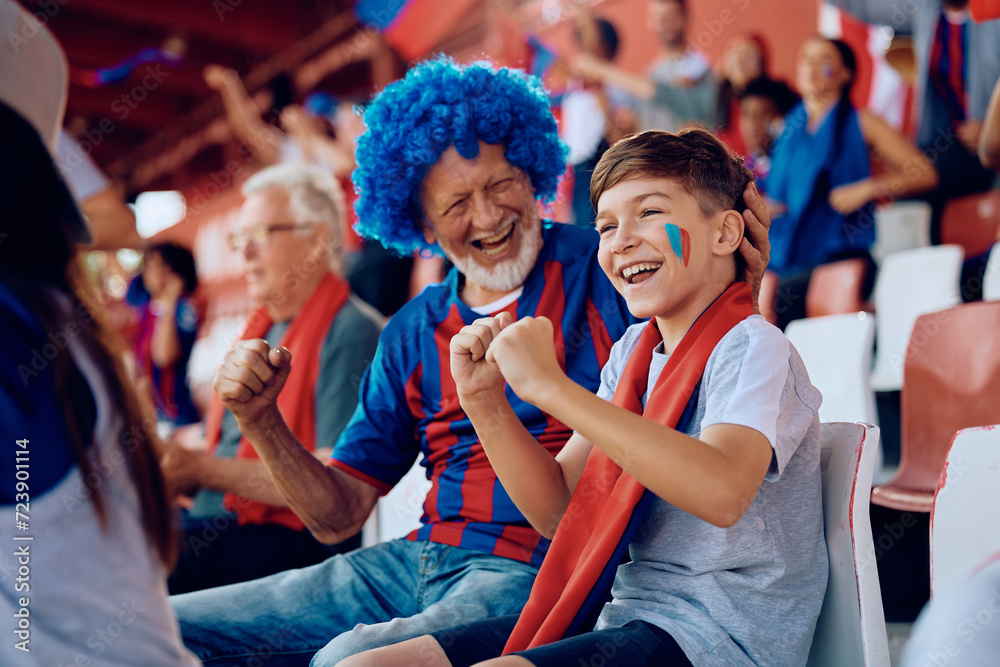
239	526
455	161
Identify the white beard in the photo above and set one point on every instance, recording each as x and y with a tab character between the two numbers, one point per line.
507	276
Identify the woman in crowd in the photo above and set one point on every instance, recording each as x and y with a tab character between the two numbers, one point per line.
744	60
81	496
165	328
822	182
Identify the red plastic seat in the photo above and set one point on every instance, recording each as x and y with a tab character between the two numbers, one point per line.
835	288
951	381
972	222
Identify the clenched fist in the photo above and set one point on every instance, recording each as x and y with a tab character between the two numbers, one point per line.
251	377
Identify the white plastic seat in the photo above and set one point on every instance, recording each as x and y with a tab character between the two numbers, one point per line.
904	225
965	526
837	352
910	283
851	626
398	512
991	279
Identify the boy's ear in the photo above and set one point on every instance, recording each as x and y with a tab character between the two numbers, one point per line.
730	233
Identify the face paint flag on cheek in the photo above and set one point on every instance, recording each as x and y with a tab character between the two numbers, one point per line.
680	242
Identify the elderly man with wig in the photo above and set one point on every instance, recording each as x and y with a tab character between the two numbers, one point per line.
455	160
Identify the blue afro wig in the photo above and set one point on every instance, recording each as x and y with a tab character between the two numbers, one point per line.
439	104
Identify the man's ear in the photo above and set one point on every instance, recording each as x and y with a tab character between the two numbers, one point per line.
429	235
730	233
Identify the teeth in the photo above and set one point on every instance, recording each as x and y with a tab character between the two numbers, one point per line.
496	237
496	250
630	271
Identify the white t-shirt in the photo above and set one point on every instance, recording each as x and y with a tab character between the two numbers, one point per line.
670	71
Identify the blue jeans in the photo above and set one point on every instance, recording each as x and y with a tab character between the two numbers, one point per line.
350	603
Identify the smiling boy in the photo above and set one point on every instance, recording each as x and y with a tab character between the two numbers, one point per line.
699	455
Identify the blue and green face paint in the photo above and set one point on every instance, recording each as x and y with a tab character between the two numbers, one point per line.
680	242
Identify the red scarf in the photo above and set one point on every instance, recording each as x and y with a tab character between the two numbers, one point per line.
602	505
297	400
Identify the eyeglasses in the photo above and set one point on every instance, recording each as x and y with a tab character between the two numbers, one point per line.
260	237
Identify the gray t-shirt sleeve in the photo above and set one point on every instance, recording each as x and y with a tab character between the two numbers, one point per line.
348	349
752	382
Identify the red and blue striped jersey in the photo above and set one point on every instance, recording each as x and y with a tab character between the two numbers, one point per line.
408	405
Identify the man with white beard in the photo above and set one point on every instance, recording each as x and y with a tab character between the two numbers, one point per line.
454	161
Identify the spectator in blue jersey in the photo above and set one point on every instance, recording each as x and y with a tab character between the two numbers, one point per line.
82	505
957	65
165	328
454	161
699	456
820	179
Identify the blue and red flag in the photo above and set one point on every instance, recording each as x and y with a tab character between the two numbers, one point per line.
413	28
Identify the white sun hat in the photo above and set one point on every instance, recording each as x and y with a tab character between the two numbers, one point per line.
34	79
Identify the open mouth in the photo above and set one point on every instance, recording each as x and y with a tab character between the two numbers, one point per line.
638	273
497	243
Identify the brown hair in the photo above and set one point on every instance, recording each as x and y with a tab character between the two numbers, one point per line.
39	261
694	158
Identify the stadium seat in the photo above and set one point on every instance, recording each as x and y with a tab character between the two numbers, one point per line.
991	279
965	525
850	630
951	381
972	222
837	352
398	512
910	283
835	288
904	225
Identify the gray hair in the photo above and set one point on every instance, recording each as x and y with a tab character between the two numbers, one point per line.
313	195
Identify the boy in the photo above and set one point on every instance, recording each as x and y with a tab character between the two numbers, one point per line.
763	104
722	517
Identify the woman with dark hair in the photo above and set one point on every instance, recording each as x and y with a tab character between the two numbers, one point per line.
821	178
82	499
165	328
745	59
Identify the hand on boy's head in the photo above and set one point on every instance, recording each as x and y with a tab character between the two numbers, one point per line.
525	353
755	247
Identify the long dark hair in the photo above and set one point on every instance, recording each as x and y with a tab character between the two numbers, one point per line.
850	64
37	260
180	260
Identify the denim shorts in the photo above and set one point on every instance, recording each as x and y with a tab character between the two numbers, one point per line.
350	603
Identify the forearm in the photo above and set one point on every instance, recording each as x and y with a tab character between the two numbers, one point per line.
329	152
111	222
634	84
165	347
533	479
332	506
248	478
244	119
684	471
989	140
900	184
